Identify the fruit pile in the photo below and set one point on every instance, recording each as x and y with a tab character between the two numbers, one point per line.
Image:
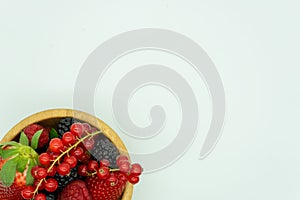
75	162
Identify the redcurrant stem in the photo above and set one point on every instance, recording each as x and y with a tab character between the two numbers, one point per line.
111	170
114	170
37	187
67	152
72	147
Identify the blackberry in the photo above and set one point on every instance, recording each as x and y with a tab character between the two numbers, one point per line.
50	196
64	180
64	125
105	149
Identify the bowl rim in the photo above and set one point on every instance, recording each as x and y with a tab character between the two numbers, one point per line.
83	116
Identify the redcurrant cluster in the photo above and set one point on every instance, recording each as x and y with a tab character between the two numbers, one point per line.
62	155
130	172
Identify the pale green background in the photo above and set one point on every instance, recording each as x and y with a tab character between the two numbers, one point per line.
254	44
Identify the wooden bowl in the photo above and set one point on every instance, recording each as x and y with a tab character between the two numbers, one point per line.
50	118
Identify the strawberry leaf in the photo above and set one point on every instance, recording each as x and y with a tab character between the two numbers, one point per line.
9	153
24	139
10	143
29	177
8	171
53	133
22	164
35	139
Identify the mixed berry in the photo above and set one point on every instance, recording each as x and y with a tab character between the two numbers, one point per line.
76	162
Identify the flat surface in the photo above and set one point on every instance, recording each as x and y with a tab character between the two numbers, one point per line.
254	45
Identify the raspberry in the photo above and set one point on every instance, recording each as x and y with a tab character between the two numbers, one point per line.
75	190
32	129
105	149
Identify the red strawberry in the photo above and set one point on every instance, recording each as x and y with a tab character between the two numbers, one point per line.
110	189
16	162
32	129
75	190
13	191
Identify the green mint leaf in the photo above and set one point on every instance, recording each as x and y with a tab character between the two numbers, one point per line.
53	133
29	177
9	153
35	139
8	171
24	139
22	164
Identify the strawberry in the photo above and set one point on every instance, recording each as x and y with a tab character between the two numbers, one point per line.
32	129
75	190
110	189
14	191
16	162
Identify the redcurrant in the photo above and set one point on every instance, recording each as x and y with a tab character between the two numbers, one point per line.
85	158
40	196
122	177
133	179
136	169
45	159
77	152
41	185
92	165
34	171
83	170
56	145
51	185
77	129
112	180
71	160
124	166
104	163
52	171
86	127
89	144
68	139
27	192
120	159
63	169
41	173
103	172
